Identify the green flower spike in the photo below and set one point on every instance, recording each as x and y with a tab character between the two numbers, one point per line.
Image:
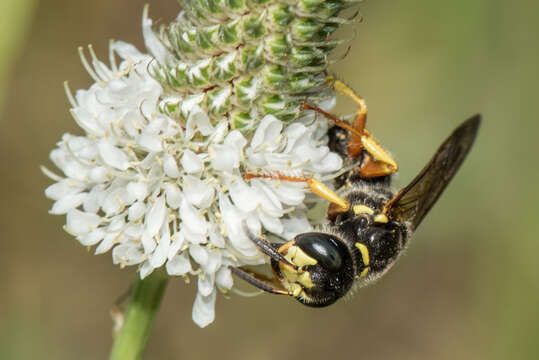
244	59
157	179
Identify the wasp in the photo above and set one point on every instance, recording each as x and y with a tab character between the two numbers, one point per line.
368	224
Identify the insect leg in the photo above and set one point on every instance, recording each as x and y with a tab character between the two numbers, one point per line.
383	165
355	141
260	281
316	187
380	163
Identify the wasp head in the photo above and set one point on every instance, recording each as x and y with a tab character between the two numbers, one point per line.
324	268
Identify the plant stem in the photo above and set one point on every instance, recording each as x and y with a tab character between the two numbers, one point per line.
143	305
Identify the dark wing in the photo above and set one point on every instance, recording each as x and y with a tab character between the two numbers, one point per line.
412	203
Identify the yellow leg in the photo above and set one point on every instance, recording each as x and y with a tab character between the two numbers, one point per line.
360	138
343	89
316	187
379	153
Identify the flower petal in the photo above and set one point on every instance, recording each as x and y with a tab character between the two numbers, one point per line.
198	120
136	211
224	157
267	132
107	243
91	238
232	219
199	254
146	269
127	254
192	220
178	241
156	216
152	42
179	265
271	223
113	156
205	284
198	192
173	195
67	203
170	166
149	142
216	239
159	256
80	223
243	196
63	188
204	309
191	163
224	279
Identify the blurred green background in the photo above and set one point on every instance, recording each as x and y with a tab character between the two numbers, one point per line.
468	287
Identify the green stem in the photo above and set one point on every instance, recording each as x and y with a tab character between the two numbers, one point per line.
143	305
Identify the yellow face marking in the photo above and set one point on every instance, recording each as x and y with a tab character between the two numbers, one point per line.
284	248
293	289
295	280
305	280
289	274
381	218
364	272
362	209
296	290
298	257
364	253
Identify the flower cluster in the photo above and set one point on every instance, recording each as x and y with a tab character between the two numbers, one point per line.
160	194
158	177
246	58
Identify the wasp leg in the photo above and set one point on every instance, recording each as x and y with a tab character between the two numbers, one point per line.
375	168
260	281
342	124
316	187
267	248
359	138
384	163
355	142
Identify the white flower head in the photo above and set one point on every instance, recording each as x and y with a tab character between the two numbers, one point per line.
157	193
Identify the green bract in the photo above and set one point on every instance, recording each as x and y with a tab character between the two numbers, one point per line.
245	59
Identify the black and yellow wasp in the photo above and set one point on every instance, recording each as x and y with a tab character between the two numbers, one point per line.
368	225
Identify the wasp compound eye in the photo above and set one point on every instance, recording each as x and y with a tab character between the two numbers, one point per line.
324	248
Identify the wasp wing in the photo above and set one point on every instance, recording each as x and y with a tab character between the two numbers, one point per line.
412	203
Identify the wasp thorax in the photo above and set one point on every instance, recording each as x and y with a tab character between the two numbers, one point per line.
384	241
324	271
